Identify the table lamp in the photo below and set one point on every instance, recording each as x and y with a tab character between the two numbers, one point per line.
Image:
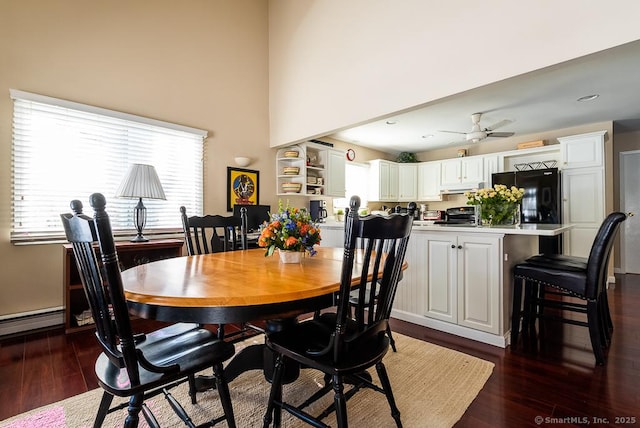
140	182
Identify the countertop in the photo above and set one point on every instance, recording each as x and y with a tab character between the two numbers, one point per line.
522	229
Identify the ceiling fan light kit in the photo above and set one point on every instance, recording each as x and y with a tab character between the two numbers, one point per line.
478	133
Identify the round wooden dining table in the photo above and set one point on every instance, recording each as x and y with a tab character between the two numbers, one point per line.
234	286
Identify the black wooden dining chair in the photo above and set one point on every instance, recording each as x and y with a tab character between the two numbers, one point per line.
335	343
138	366
553	282
213	234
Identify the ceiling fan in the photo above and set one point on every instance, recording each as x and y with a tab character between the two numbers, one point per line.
477	133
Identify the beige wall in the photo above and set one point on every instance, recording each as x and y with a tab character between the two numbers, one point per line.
334	64
200	63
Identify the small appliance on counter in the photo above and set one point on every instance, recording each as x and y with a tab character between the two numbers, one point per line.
433	215
411	209
459	215
318	210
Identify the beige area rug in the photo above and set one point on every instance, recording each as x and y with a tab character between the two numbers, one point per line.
433	387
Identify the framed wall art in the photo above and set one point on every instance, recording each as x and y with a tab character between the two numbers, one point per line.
243	187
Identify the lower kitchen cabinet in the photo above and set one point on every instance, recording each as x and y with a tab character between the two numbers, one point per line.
332	236
463	280
460	282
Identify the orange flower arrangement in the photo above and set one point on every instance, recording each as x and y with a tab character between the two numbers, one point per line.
290	229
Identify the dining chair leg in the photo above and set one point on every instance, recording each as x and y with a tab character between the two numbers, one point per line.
276	385
225	396
105	403
528	315
606	311
135	406
516	311
593	321
340	401
391	340
192	389
388	392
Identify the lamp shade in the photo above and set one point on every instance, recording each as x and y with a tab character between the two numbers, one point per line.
141	182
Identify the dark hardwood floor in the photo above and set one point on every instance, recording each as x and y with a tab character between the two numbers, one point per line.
559	384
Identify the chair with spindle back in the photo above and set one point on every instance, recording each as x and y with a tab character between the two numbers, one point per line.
137	366
337	344
213	234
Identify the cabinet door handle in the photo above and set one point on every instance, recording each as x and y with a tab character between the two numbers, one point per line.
459	247
453	246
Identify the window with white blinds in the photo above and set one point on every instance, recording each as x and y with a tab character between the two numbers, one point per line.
64	150
357	182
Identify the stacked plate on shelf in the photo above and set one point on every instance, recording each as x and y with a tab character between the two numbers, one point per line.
291	170
291	154
291	187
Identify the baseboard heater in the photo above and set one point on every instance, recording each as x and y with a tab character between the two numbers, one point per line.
31	320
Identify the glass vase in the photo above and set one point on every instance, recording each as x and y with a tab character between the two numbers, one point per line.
505	215
290	256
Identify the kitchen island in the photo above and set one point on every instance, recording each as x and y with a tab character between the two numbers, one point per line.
459	276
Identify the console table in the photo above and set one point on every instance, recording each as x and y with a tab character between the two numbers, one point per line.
129	254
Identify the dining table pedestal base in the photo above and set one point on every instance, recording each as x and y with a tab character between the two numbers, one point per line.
254	357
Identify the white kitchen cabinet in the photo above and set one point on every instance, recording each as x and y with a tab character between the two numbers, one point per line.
582	206
466	172
583	184
411	292
441	277
429	181
383	180
335	174
407	182
332	236
491	166
582	151
463	280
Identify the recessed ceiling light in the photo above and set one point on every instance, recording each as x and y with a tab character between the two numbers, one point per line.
588	97
428	136
391	122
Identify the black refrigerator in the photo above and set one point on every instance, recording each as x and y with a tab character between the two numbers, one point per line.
541	202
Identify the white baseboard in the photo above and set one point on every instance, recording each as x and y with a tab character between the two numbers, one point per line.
25	321
466	332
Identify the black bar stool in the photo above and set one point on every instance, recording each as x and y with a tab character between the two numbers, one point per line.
547	281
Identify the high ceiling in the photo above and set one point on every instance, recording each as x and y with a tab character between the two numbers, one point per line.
539	101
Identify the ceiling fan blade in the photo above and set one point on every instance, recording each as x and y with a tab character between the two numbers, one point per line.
500	134
498	125
454	132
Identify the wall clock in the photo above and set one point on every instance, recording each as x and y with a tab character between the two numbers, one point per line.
351	155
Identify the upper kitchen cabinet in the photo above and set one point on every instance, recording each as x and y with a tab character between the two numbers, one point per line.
383	180
458	173
407	182
429	181
336	179
310	169
582	151
491	164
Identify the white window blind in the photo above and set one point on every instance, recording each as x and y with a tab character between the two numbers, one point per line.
64	150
